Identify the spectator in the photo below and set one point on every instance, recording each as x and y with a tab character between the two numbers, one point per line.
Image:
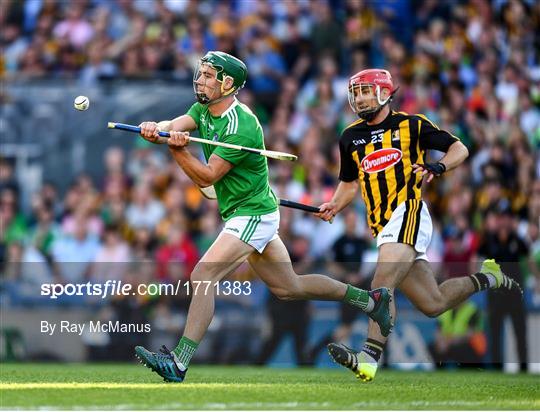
14	227
74	251
144	244
198	38
112	257
14	46
326	31
97	67
177	257
460	338
45	231
7	176
529	118
144	210
266	69
502	243
74	28
460	248
32	63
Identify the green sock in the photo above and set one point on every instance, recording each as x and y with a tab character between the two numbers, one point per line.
357	297
185	350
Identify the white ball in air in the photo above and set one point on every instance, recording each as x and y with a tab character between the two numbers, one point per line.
81	103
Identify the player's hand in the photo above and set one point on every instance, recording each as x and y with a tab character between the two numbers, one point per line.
150	131
327	212
178	140
430	169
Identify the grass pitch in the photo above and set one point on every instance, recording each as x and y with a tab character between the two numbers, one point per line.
127	386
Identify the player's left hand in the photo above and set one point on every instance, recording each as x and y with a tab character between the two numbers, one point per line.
178	140
430	169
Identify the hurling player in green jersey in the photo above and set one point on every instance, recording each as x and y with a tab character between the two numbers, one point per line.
248	206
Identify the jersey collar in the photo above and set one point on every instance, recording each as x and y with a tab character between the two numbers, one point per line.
231	107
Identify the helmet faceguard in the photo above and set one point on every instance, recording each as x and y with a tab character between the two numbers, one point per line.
222	67
366	92
204	72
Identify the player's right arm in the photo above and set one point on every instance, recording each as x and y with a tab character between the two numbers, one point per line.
347	187
150	130
185	123
203	175
345	193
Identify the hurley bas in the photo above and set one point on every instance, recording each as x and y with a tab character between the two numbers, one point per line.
50	328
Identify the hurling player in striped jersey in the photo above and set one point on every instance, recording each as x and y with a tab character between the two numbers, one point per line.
383	154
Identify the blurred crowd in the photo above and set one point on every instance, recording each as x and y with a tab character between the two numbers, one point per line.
472	67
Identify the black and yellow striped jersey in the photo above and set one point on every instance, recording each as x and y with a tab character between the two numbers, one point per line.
381	157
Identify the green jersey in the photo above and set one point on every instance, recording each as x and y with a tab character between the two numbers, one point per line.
245	190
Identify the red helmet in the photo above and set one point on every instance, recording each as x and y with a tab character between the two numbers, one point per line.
372	82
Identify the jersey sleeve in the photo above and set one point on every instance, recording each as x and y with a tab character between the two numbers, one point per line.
348	171
431	137
233	156
195	113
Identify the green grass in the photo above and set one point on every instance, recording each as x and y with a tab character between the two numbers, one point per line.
126	386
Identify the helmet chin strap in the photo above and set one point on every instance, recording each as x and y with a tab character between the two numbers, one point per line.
369	116
211	102
204	99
